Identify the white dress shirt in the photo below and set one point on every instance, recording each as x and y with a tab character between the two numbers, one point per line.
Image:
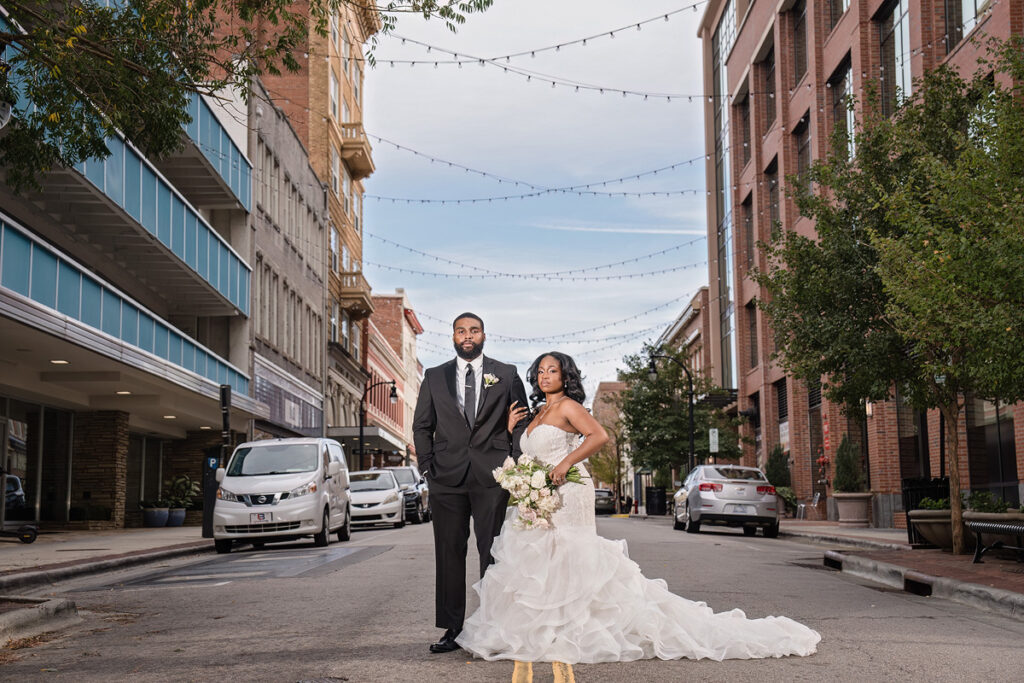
460	378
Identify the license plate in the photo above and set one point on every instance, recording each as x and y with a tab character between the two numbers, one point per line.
743	509
260	517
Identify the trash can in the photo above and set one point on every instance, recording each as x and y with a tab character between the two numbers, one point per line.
655	501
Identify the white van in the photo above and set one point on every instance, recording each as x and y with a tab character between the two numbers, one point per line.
280	490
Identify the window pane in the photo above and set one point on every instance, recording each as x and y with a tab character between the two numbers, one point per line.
111	313
44	277
92	302
69	290
17	260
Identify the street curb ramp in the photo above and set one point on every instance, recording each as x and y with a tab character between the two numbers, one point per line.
44	616
1004	602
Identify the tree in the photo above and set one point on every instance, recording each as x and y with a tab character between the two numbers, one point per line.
656	418
609	464
81	71
916	279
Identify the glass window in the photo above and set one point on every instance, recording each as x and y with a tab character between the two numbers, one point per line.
111	313
16	262
250	461
751	311
44	277
802	138
372	481
841	94
69	290
836	10
335	259
129	323
894	29
799	14
334	95
769	88
335	172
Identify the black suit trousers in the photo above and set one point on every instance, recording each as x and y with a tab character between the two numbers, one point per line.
451	508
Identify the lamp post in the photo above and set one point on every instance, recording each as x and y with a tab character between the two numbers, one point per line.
652	374
393	396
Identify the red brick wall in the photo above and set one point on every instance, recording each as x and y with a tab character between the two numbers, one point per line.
100	463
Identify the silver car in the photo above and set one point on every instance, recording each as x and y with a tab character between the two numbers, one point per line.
730	495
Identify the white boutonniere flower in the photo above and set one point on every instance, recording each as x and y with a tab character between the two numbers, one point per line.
490	380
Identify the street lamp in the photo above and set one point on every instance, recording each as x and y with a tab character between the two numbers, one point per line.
393	396
652	374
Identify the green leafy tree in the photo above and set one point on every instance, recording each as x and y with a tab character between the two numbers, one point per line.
656	418
609	464
915	280
81	71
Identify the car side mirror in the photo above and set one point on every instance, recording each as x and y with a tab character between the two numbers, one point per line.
333	468
220	474
405	487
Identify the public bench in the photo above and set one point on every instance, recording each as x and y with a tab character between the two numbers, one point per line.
1005	528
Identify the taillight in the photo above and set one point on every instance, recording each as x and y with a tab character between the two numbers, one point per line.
766	490
708	486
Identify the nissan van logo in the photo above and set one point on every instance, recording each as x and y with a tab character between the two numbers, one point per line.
261	499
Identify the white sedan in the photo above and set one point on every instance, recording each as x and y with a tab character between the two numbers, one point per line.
376	499
731	495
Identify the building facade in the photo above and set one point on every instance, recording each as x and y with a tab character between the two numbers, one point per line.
395	318
125	288
777	79
606	411
692	331
289	225
323	101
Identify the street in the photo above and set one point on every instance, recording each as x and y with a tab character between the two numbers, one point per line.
363	611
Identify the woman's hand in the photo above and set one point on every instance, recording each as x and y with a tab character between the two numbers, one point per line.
561	471
515	415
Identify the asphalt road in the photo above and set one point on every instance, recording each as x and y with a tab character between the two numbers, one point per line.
363	611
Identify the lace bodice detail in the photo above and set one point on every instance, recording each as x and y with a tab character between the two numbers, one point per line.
549	444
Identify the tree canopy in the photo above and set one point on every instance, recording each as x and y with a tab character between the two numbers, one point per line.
81	71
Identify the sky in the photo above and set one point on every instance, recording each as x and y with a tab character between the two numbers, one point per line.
486	119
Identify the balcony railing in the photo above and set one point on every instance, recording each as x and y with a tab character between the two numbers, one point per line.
355	293
356	150
35	270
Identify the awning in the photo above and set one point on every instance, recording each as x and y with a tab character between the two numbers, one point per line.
374	439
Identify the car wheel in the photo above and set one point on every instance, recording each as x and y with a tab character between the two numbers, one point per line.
345	532
222	545
692	526
427	516
323	537
421	515
676	524
772	531
749	530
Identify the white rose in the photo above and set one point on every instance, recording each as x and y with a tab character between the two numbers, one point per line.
534	496
525	459
538	480
508	464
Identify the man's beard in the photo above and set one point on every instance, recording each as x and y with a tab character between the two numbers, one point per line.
471	353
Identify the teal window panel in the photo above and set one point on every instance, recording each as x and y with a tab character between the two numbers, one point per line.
178	227
92	302
163	213
192	128
225	269
222	373
213	273
149	195
203	252
246	185
188	355
111	314
146	329
201	360
114	167
233	281
133	185
69	290
16	262
160	340
95	172
191	223
174	347
44	277
129	324
243	295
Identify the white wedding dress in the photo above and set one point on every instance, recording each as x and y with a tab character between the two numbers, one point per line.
568	595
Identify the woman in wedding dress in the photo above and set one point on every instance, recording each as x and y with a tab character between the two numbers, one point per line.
566	594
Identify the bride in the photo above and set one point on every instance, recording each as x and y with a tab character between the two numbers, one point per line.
568	595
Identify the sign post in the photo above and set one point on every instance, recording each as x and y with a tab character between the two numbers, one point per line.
713	442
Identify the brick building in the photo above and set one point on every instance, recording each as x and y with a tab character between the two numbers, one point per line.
692	331
608	414
777	77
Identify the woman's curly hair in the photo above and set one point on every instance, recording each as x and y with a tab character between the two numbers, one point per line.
572	379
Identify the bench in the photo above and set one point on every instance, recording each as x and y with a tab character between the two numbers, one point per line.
1005	528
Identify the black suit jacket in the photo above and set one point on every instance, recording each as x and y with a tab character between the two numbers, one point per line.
446	445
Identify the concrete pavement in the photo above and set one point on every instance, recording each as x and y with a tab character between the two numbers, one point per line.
881	555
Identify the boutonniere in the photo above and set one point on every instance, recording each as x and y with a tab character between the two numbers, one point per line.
490	380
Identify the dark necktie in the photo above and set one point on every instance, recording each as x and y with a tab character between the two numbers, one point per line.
470	396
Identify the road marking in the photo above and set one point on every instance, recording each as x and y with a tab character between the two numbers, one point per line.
522	673
562	672
222	583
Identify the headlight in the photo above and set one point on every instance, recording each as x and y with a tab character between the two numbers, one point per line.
303	490
224	494
392	498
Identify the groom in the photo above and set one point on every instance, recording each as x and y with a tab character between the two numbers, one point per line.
460	430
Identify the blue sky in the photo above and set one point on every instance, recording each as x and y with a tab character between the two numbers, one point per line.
486	119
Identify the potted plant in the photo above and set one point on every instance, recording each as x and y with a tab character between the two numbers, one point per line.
777	471
934	521
154	512
853	500
180	492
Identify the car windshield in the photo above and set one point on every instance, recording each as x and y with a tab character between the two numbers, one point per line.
602	494
12	484
252	461
734	473
404	476
372	481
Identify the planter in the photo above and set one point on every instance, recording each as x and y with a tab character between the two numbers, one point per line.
154	516
936	527
853	508
175	516
988	538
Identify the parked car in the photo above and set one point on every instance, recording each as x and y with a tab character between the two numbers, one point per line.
280	490
377	498
414	489
14	496
604	501
730	495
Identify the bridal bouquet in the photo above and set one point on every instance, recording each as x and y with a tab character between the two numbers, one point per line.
531	491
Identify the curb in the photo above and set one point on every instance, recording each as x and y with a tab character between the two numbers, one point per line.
47	615
47	576
845	540
1006	603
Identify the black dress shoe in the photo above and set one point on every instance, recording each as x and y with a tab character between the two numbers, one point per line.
447	642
